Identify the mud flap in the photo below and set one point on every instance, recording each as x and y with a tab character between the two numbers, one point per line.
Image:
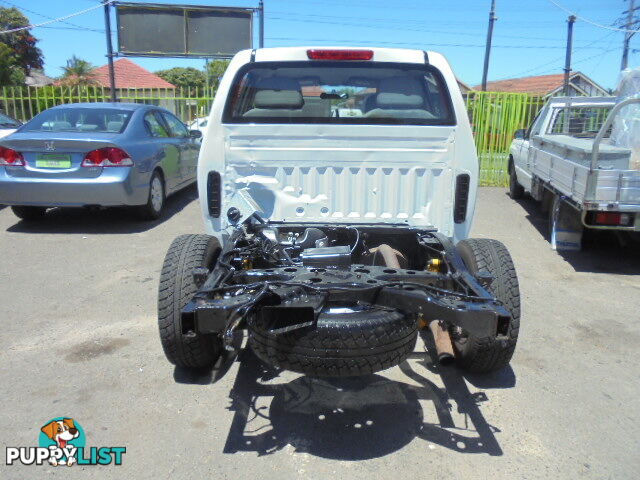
565	227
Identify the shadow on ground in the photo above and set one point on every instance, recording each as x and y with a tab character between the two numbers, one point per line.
103	221
602	251
356	418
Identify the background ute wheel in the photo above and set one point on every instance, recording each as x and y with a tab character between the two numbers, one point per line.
152	210
486	354
29	213
516	191
176	289
346	341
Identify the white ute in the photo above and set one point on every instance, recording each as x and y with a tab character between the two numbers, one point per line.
338	188
570	159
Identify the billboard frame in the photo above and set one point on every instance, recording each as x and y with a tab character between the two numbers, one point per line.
185	9
111	54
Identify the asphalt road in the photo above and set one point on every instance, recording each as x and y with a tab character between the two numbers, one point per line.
77	310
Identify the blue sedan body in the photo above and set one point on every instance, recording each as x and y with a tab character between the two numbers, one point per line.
154	139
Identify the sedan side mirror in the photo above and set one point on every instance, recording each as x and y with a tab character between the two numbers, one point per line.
520	134
195	133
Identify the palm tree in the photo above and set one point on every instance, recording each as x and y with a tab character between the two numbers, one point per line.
78	72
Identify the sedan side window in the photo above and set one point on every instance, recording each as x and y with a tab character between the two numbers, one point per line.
154	127
177	128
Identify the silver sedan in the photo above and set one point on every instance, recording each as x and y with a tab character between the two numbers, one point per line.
97	154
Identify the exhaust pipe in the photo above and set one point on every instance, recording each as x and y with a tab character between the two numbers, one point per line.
442	339
391	257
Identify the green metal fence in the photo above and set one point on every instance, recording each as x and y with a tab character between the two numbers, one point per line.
494	116
25	102
494	119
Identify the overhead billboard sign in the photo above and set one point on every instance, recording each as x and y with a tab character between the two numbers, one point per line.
163	30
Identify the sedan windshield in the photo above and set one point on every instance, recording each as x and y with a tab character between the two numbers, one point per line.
90	120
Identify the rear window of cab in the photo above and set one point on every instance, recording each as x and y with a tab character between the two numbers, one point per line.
328	92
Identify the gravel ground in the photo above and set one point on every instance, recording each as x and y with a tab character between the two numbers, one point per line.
79	339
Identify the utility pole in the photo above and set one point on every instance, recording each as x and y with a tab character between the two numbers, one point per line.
261	18
487	52
567	63
628	34
107	27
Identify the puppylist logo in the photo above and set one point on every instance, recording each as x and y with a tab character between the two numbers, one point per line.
62	442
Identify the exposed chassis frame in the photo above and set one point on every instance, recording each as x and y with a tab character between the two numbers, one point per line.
291	297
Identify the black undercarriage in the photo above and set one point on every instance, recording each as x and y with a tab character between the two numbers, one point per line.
285	275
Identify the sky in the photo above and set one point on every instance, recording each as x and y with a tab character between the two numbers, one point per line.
529	35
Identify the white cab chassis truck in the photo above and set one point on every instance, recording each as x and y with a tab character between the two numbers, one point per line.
567	161
337	189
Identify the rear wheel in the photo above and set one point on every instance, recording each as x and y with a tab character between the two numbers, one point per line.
152	210
516	191
177	286
486	354
29	213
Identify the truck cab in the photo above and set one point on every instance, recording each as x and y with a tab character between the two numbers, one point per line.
279	137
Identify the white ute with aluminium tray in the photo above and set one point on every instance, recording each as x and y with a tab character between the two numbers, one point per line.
572	161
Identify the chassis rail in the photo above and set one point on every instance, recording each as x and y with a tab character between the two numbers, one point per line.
292	297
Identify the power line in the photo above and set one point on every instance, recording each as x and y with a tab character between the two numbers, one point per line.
423	44
557	59
297	18
586	20
60	19
77	27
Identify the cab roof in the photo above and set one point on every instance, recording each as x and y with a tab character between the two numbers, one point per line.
398	55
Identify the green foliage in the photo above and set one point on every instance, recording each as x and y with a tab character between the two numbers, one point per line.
189	78
10	71
215	71
78	72
22	44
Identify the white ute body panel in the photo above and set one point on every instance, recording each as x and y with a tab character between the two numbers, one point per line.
338	173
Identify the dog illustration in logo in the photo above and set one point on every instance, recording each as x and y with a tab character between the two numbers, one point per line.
61	432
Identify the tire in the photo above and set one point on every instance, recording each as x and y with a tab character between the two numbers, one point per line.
487	354
176	289
516	191
365	340
152	210
29	213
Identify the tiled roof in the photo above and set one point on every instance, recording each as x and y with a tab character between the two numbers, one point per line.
540	85
130	75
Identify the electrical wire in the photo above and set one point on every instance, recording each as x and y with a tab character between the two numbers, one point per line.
77	27
557	59
423	44
59	19
591	22
353	249
385	24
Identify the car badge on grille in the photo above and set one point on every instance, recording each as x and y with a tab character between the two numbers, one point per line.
49	146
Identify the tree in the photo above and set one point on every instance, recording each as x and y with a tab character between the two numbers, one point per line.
10	71
22	44
78	72
216	70
187	78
